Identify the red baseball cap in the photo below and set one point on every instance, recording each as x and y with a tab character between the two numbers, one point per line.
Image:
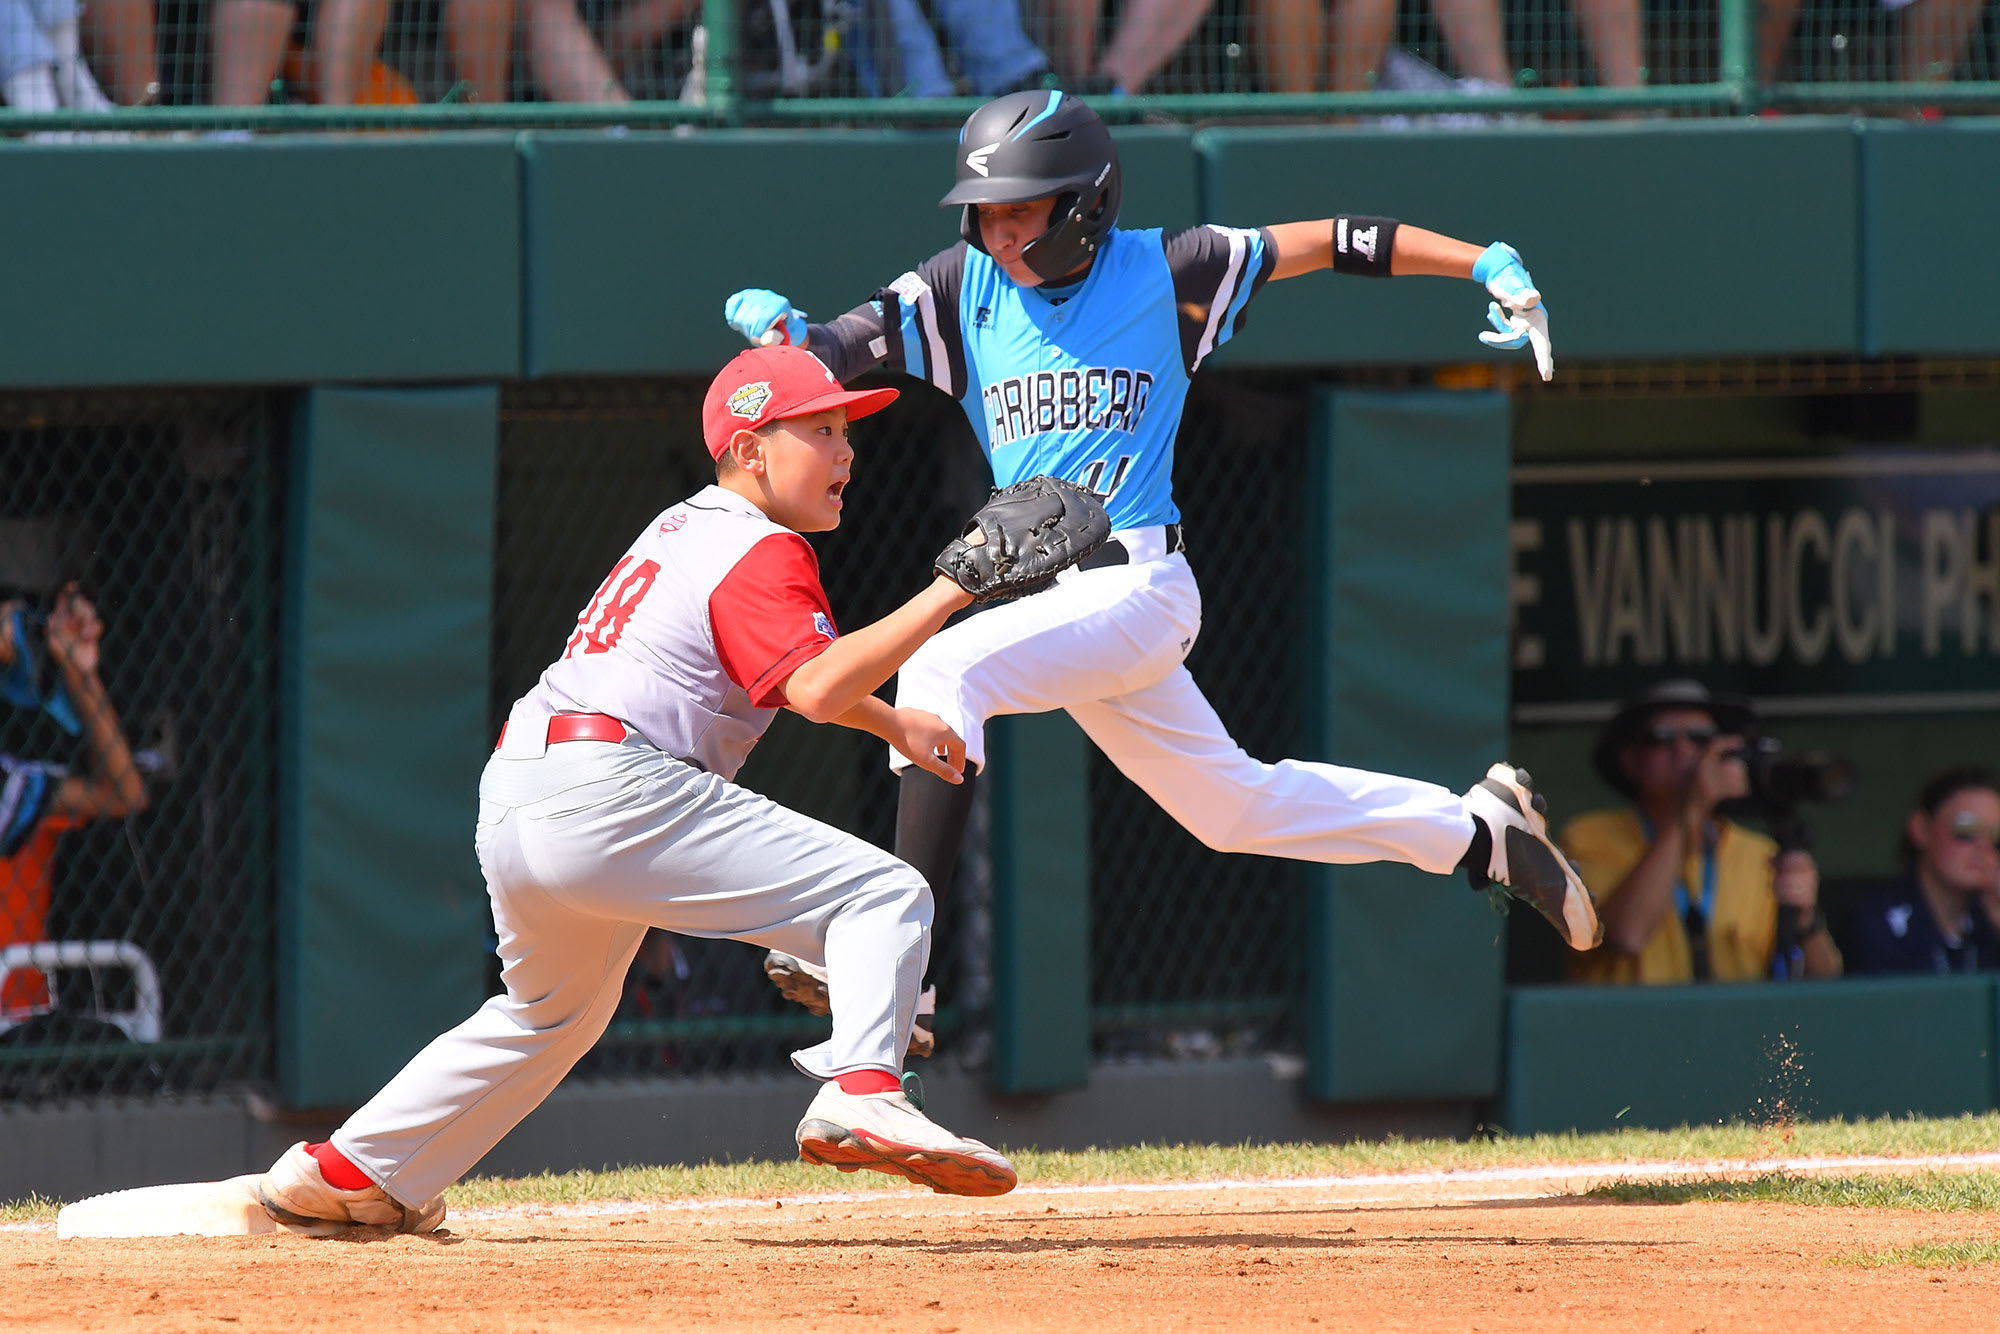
765	384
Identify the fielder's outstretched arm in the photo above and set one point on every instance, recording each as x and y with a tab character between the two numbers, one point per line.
847	671
923	736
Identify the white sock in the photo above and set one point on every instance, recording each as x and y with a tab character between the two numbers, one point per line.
33	89
74	81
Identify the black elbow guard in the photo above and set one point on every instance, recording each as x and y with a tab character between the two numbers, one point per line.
1363	245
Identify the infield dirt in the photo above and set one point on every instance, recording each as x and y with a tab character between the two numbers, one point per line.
1421	1255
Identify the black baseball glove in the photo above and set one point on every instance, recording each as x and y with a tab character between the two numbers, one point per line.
1023	537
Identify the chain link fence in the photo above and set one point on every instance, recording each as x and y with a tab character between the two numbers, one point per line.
166	65
1194	952
138	608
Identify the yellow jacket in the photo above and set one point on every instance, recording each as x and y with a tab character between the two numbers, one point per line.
1742	921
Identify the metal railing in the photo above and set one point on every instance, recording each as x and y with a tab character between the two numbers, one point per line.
507	64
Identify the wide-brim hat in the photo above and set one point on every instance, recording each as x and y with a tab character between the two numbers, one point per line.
1732	714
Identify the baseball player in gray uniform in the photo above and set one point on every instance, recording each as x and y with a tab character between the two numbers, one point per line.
608	808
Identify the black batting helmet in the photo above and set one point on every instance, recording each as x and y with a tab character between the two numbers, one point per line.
1030	146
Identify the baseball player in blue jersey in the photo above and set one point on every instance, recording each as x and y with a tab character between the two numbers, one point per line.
1070	344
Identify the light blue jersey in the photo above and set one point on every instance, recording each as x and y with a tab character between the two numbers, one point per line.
1085	382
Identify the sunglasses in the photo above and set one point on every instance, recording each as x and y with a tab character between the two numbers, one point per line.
1666	736
1966	828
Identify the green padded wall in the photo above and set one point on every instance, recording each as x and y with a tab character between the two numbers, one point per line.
1649	239
1039	773
1409	563
1930	209
633	243
1591	1058
285	261
381	907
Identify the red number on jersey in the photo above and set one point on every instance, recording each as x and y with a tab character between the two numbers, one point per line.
609	612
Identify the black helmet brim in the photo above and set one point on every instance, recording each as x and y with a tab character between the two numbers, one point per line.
1007	190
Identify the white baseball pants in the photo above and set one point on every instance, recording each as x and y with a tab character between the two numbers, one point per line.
585	846
1107	645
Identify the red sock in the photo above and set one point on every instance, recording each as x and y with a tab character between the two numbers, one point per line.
868	1081
338	1171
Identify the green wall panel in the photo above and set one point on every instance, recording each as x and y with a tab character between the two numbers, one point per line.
1040	776
1650	239
1410	591
382	911
1930	212
634	242
1590	1058
281	261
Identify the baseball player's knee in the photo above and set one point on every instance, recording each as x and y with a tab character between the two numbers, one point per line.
895	897
1213	833
913	893
1217	819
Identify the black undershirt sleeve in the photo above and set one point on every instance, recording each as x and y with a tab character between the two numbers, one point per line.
853	344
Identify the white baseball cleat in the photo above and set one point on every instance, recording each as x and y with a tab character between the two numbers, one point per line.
884	1132
1526	860
803	984
294	1192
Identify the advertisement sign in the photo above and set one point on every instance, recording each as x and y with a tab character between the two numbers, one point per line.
1863	583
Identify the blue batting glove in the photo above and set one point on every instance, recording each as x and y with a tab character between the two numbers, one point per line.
1500	270
1518	314
762	316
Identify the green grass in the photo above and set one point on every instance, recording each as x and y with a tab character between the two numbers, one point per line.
34	1209
1939	1192
1927	1255
1211	1162
1889	1137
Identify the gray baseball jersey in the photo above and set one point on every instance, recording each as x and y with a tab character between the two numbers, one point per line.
693	633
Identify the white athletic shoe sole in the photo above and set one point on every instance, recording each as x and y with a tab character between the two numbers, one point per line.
884	1132
1527	861
294	1192
804	985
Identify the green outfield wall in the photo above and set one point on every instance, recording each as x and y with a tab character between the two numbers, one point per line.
308	260
1596	1058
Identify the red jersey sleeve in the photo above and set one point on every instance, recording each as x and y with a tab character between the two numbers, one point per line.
769	615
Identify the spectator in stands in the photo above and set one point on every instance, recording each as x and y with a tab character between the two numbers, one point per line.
567	64
1935	36
1684	893
123	41
1149	32
1297	56
38	802
41	58
1938	917
994	55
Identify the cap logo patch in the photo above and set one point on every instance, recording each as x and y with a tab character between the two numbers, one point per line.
748	402
976	159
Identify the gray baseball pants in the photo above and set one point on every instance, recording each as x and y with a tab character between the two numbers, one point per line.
585	846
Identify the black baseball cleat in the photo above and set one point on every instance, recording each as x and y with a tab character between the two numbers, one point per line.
1521	856
802	984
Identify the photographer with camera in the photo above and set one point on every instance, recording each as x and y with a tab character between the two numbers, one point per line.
1939	916
1685	893
51	664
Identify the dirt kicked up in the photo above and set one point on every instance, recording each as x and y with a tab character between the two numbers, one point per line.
1493	1251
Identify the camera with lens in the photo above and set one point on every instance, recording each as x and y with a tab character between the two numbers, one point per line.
1782	781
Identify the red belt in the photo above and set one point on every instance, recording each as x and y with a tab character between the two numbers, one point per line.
578	727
